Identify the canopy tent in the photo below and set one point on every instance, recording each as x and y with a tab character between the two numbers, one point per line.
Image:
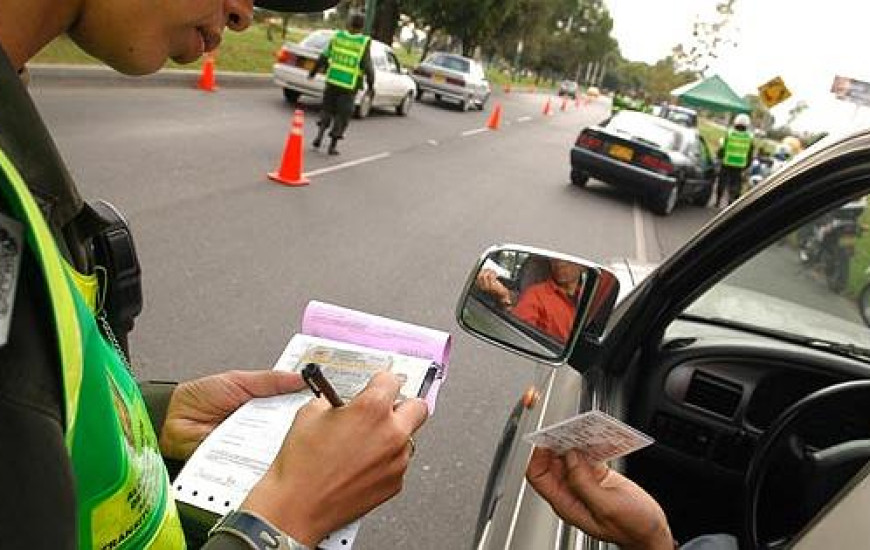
712	94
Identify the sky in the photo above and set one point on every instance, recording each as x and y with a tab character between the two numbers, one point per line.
806	46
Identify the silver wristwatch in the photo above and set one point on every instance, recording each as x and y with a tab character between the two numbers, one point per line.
256	531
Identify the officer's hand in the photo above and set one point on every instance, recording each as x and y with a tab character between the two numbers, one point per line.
338	464
599	501
487	281
198	406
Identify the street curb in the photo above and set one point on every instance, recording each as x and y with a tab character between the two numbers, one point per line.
87	75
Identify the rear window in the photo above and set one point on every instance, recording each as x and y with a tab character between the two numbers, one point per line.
645	128
450	62
317	40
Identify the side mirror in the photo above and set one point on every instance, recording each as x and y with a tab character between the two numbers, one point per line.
536	303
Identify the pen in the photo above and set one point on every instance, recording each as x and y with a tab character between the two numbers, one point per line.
318	383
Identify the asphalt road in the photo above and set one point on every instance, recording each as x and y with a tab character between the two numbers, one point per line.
230	259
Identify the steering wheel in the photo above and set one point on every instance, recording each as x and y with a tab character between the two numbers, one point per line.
822	472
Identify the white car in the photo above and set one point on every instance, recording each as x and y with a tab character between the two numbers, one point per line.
394	89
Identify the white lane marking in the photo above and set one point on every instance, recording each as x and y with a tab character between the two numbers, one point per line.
433	143
347	164
639	239
516	516
474	132
524	119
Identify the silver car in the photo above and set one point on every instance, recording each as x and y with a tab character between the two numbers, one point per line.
751	375
454	78
394	89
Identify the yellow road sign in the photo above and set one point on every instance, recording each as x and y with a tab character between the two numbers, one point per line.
773	92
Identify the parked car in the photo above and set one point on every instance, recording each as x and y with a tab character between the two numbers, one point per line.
454	78
681	115
567	88
662	161
394	89
753	380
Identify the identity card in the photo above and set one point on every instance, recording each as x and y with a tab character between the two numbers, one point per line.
598	436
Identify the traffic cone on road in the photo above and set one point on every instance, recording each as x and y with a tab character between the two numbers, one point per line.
290	171
494	121
207	79
548	108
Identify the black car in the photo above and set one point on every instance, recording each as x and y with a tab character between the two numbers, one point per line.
660	160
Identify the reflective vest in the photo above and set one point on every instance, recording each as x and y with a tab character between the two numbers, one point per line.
122	488
737	146
345	53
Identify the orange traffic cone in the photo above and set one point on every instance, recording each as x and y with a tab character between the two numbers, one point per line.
564	106
494	121
548	108
207	79
290	172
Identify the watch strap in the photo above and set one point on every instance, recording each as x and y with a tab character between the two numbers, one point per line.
256	531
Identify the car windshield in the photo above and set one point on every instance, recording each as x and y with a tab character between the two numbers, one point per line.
812	285
646	128
681	117
451	62
317	40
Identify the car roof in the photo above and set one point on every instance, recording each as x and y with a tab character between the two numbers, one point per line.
660	121
330	32
454	55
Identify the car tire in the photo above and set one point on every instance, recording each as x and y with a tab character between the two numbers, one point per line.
403	108
864	304
438	97
579	178
702	199
292	96
364	108
419	94
663	204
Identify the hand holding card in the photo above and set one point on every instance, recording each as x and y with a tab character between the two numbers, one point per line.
598	436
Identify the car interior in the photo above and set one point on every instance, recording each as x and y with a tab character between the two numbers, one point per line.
712	392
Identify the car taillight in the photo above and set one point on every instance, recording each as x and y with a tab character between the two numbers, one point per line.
658	164
284	56
588	141
456	81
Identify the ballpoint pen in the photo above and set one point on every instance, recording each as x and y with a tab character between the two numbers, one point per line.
318	383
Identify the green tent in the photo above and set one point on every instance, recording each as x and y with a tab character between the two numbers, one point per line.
712	94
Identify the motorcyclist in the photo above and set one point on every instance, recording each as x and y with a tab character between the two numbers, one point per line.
80	448
735	155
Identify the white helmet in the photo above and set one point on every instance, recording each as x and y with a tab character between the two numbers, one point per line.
742	120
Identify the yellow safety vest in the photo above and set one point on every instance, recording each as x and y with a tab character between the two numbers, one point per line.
345	52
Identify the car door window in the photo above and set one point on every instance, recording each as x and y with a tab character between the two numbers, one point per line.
393	63
812	285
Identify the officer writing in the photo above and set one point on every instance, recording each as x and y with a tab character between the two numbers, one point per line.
80	448
348	58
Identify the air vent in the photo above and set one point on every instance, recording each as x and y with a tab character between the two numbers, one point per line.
714	394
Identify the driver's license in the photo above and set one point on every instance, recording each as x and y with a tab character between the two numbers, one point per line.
596	435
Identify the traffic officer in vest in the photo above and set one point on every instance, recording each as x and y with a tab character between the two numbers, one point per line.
735	155
348	58
84	448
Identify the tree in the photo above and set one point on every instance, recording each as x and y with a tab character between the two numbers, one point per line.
708	39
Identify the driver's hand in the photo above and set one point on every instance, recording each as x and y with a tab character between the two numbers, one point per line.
488	282
599	501
338	464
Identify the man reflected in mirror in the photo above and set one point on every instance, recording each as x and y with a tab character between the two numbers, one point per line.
549	305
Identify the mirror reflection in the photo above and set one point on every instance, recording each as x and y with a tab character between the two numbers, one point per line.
532	301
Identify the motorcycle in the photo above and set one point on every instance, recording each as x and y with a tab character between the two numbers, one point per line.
830	243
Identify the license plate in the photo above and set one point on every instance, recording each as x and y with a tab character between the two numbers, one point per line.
621	152
439	79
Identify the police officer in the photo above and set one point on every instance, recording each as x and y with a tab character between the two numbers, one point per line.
348	57
735	155
80	447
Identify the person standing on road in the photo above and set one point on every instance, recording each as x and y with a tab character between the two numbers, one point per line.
80	441
348	58
734	155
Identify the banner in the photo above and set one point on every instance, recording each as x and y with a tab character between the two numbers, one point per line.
849	89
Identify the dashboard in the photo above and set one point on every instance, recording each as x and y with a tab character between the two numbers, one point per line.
706	396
